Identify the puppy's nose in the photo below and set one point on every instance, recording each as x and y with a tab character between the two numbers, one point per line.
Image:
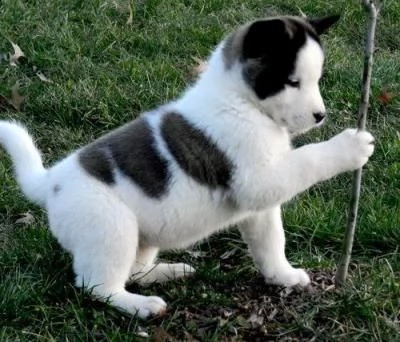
319	117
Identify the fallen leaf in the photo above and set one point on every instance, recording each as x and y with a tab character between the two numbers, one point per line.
200	67
189	338
233	331
301	13
141	332
130	18
122	6
255	320
385	96
43	78
229	253
329	288
286	292
160	335
26	219
118	6
227	313
272	315
241	321
16	55
16	98
196	254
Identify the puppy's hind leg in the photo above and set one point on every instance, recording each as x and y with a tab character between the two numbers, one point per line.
102	234
146	270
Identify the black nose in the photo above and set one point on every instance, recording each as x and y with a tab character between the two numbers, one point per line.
319	117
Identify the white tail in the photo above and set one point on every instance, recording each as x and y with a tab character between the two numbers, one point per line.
28	166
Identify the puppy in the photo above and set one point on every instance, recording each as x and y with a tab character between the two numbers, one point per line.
220	155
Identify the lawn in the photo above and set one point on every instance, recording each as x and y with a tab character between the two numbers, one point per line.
99	68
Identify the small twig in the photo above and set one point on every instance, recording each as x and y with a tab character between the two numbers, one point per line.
373	11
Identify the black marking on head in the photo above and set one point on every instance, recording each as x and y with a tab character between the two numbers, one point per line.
196	153
56	189
130	149
269	54
268	49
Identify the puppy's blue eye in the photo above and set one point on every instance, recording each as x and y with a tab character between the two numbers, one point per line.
293	83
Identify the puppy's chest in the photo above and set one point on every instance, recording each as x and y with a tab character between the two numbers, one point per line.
261	147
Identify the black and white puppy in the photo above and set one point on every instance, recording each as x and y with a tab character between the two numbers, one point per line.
217	156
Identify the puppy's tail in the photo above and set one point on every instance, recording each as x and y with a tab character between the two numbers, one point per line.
30	173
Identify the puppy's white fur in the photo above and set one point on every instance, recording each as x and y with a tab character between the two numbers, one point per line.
102	226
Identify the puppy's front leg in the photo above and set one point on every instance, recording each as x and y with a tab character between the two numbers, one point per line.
266	185
265	237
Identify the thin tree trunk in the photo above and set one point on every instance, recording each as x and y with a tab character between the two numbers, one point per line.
342	270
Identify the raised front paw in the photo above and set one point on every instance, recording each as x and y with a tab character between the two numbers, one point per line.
290	277
353	148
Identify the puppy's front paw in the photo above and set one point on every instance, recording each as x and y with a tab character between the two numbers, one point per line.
353	148
290	278
151	306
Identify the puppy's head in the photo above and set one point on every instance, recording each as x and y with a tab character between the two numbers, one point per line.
280	61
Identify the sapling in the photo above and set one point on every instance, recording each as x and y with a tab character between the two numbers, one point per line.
373	8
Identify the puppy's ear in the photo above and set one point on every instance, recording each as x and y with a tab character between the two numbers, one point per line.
321	25
264	35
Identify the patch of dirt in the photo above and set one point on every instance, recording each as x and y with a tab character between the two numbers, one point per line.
260	313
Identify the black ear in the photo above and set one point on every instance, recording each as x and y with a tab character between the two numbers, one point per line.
262	35
321	25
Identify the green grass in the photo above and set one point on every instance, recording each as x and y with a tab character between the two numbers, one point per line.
104	73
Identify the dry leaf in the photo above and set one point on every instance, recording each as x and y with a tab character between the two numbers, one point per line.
385	96
43	78
189	338
141	332
200	67
226	313
16	98
122	6
130	19
272	315
16	55
160	335
26	218
196	254
286	292
255	320
301	13
229	253
117	5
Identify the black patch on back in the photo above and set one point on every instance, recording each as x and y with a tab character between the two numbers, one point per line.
130	149
56	189
269	53
196	153
96	161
